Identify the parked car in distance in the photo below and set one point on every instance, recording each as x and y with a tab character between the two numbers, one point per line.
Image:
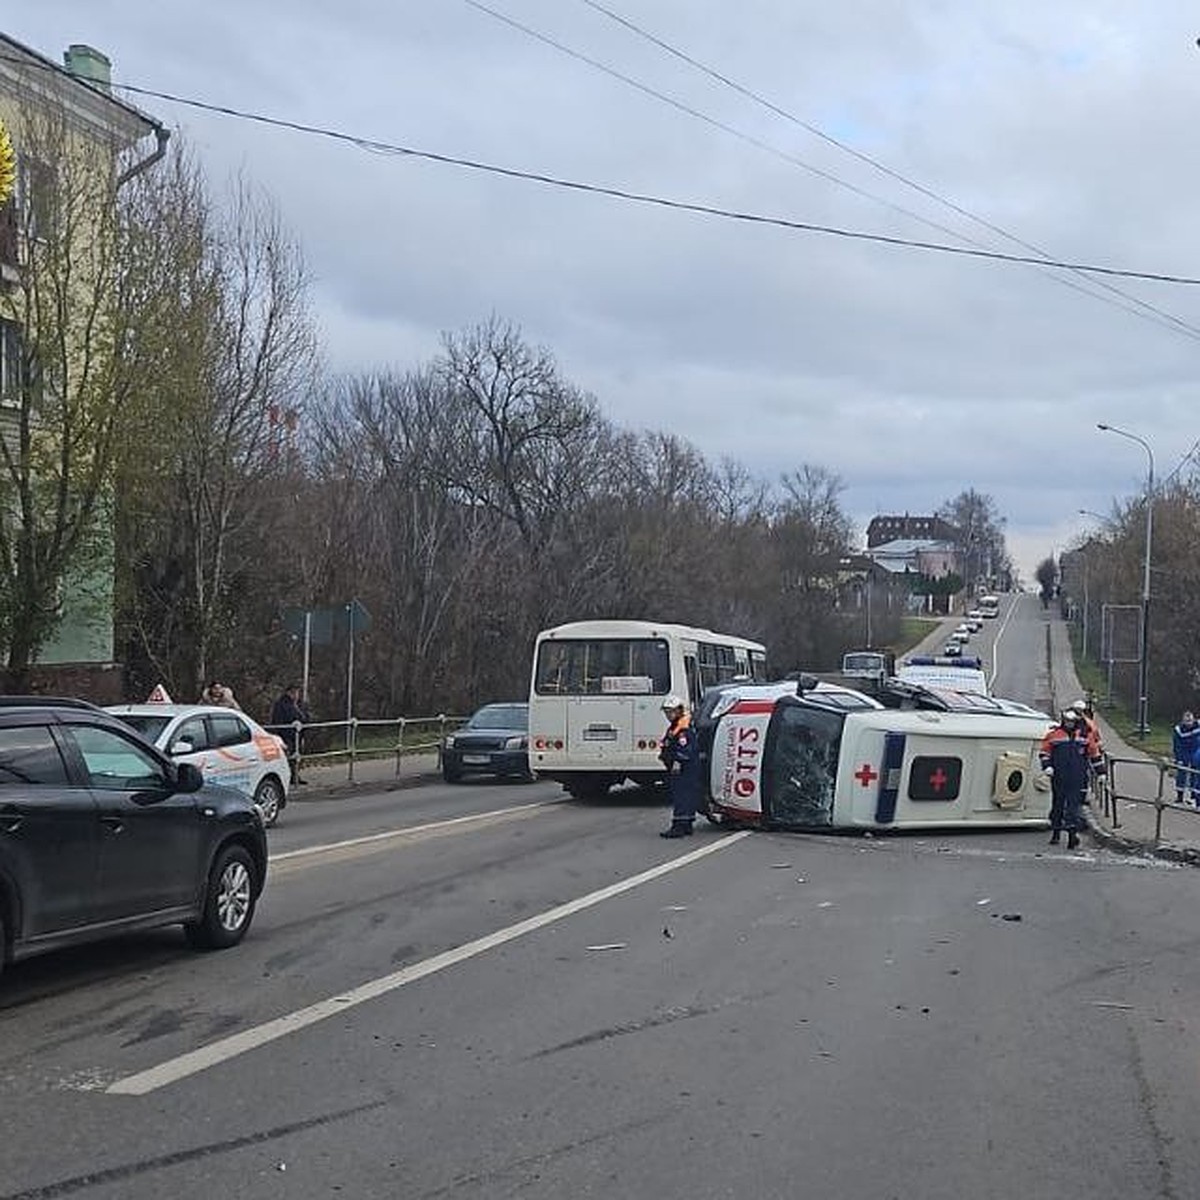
976	614
495	741
951	649
102	834
974	624
227	746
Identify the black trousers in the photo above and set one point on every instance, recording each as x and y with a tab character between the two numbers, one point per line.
1065	808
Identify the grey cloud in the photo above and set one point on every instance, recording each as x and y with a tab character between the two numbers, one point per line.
912	376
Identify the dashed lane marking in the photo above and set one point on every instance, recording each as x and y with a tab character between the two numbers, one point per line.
144	1082
407	833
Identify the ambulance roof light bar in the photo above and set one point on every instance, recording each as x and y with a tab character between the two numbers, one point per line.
966	661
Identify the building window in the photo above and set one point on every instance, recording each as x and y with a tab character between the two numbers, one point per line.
35	198
12	370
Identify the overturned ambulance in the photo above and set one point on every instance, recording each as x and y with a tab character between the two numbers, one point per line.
811	755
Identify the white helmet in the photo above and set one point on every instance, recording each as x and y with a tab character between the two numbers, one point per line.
671	703
1068	714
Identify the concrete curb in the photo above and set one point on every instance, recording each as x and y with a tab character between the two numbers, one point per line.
346	790
1188	856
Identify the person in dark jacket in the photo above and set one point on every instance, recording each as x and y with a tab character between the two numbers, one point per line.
680	754
286	711
1185	752
1066	754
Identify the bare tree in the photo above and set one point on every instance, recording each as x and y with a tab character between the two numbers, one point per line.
77	346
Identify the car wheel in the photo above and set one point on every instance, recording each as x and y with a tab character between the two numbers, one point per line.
451	774
229	901
269	798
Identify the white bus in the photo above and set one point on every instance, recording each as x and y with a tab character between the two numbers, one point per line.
989	606
596	693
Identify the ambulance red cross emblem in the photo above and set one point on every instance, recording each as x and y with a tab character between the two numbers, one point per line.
866	775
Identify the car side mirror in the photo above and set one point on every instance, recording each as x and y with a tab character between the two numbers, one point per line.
183	747
188	778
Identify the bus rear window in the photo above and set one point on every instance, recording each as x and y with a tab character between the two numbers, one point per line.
603	667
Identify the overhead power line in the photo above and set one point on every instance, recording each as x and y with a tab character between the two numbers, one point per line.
1148	310
376	146
1149	313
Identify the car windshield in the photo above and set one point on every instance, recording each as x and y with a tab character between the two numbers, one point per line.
800	765
149	727
501	716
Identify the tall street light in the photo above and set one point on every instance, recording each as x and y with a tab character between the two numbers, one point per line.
1087	512
1144	651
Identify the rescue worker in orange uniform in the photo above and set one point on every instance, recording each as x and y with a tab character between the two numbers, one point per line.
1091	726
680	754
1067	753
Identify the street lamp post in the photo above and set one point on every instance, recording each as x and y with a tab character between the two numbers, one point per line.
1144	649
1087	512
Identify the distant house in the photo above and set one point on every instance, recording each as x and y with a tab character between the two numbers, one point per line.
884	529
914	558
97	135
920	556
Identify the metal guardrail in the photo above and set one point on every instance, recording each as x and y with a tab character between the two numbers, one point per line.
430	732
1109	793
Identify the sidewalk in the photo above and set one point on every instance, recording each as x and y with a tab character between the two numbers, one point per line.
331	780
1134	774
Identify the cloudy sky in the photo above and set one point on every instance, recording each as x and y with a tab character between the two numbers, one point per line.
913	375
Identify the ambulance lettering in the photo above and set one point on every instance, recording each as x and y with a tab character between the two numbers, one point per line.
746	740
742	758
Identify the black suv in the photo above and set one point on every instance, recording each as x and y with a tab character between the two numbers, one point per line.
101	834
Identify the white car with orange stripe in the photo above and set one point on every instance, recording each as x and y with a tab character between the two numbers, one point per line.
229	748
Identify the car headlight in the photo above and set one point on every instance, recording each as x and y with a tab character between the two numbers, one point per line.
516	743
450	742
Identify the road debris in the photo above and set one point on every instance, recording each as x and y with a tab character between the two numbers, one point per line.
1111	1004
608	946
985	900
667	932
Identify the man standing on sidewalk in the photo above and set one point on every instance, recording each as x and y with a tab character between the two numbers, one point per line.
1185	751
1065	757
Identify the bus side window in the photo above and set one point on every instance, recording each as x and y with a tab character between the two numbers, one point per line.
692	671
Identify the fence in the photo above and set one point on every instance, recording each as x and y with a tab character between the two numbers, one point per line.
1153	788
388	737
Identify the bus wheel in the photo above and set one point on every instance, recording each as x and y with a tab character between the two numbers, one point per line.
588	789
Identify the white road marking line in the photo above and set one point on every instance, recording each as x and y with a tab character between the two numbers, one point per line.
175	1069
406	831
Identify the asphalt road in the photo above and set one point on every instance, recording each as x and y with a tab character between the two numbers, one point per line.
502	994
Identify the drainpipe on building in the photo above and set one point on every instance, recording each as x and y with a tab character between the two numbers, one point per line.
93	68
161	137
